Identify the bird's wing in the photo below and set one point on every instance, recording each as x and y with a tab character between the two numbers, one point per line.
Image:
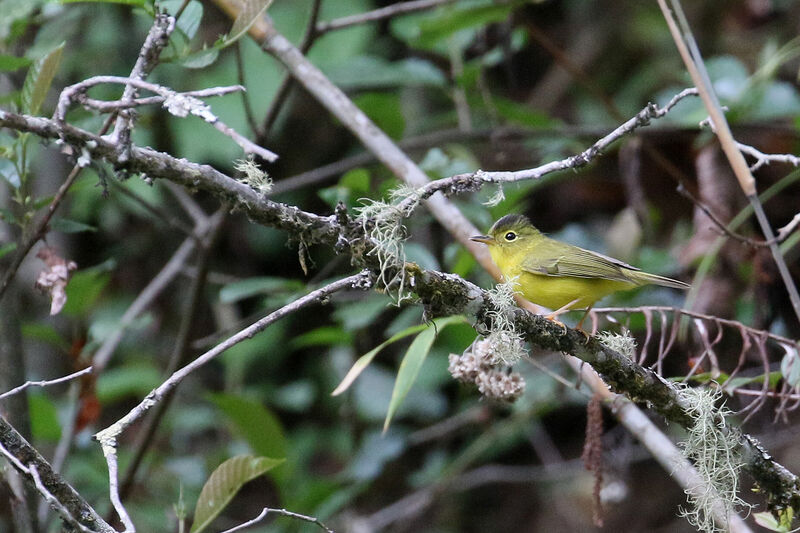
558	259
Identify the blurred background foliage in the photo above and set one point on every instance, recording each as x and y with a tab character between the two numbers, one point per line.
474	84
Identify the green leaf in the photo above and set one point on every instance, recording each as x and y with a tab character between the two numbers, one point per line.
224	483
364	361
385	110
409	369
247	288
250	12
45	333
201	58
66	225
85	286
7	247
322	336
38	80
43	418
190	19
12	63
522	114
426	31
131	380
259	427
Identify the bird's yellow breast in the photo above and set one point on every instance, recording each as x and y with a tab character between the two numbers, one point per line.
553	292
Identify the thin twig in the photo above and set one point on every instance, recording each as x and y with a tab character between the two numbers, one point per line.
400	8
108	436
36	471
283	512
46	383
178	104
685	42
180	352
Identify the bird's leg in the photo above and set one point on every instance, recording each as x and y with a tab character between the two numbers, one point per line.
579	327
560	311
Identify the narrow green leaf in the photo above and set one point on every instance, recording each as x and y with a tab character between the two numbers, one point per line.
364	361
250	12
412	363
12	63
37	82
224	483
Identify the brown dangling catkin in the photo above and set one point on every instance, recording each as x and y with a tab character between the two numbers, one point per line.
593	453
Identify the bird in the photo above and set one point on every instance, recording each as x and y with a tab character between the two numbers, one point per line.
557	275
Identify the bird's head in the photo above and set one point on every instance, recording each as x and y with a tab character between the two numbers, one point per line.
510	231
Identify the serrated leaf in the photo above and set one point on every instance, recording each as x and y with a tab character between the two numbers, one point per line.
38	80
250	12
224	483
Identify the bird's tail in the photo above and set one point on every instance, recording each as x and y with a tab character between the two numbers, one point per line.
643	278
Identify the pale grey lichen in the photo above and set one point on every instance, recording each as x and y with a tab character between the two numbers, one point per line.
253	176
623	343
712	447
383	222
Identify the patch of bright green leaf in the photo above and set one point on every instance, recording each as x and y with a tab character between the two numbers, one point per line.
384	110
129	380
43	418
45	333
259	427
522	114
11	63
85	287
322	336
224	483
7	247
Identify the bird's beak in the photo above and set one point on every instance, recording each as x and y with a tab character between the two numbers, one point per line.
485	239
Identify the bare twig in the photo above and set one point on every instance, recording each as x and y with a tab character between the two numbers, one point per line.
282	512
45	383
157	39
69	504
474	180
108	437
685	42
393	10
178	104
180	352
765	159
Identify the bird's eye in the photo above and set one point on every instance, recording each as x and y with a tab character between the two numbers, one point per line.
510	236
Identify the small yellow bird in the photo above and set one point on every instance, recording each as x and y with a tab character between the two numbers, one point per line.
557	275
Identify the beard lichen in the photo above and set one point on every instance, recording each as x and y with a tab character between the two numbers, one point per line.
712	449
383	223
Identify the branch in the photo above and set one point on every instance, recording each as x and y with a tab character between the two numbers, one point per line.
37	471
45	383
400	8
108	437
283	512
178	104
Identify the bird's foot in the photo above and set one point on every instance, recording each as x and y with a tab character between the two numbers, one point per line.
560	311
